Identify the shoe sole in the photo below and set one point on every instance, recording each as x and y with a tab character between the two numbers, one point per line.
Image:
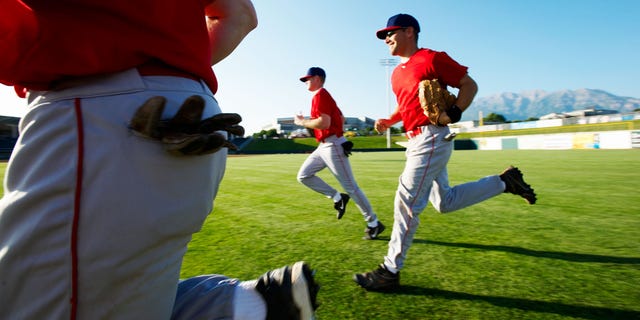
524	190
300	291
530	197
521	188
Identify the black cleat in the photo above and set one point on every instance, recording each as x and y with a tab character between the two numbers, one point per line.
289	292
373	233
514	183
380	279
341	205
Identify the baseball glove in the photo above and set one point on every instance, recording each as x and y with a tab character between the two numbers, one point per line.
347	146
185	133
435	101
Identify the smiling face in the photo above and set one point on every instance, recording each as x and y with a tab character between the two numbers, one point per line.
392	38
401	42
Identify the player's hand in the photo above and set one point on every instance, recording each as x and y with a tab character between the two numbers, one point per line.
299	120
382	125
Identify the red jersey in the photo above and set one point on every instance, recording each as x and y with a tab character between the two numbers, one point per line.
322	102
46	41
425	64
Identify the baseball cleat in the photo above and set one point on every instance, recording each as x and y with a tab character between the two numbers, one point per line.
514	183
373	233
341	205
289	292
379	279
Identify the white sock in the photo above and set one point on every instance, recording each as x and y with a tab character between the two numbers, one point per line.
337	197
248	303
392	270
372	224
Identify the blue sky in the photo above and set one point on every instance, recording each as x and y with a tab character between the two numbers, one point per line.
508	45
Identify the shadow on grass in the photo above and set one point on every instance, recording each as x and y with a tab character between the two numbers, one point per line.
574	257
583	312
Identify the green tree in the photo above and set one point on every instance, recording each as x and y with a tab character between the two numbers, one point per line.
368	131
271	133
494	118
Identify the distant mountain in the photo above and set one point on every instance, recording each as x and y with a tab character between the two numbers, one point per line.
528	104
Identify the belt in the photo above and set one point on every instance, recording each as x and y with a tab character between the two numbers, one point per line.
413	133
157	68
330	138
151	68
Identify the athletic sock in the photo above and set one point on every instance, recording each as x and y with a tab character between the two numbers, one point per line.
247	302
392	270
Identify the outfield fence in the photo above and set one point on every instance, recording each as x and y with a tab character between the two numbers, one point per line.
622	139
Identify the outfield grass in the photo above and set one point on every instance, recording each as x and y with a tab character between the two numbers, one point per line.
574	255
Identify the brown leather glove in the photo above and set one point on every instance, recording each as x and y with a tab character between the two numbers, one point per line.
435	101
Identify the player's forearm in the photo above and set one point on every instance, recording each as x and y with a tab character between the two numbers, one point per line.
395	117
468	90
228	23
319	123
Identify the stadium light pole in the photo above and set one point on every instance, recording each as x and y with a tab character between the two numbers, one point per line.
388	63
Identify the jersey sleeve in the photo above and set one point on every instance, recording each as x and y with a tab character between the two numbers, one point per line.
449	71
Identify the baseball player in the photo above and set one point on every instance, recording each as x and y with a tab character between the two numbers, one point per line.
425	178
326	121
102	194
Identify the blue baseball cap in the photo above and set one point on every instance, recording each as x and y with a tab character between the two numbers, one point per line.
398	21
313	71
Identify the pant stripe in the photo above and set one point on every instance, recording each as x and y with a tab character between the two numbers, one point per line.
404	245
424	174
76	211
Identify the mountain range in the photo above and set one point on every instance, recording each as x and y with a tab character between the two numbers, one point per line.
536	103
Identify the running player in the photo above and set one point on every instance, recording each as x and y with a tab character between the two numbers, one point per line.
95	220
326	121
425	178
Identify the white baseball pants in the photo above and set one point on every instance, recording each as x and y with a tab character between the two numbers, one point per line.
95	220
425	179
329	154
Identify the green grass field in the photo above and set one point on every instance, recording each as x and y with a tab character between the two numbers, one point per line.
574	255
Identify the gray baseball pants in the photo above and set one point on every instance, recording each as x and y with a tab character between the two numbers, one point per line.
329	154
81	184
425	179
